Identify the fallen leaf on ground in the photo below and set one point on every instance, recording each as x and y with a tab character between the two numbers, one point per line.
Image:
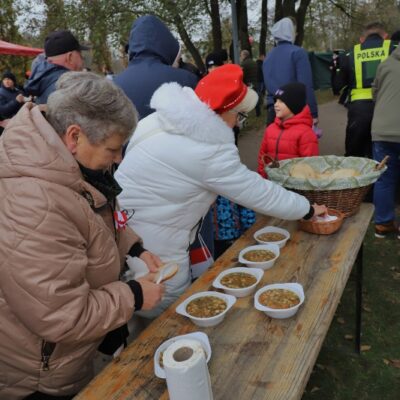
386	362
349	337
340	320
315	389
365	347
396	276
395	363
367	309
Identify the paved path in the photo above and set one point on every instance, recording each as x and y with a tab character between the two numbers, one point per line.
332	118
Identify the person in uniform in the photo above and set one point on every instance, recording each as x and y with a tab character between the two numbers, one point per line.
357	73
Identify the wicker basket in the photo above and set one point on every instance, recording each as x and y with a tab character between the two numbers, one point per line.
343	194
347	201
323	228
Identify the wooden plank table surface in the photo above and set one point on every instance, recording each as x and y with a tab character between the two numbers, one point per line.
253	356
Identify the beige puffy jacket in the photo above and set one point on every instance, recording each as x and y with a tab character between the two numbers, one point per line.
59	264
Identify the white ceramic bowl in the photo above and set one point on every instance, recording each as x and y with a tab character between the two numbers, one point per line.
240	292
211	321
280	313
260	264
280	243
199	336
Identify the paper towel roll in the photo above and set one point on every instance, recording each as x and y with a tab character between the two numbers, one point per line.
186	371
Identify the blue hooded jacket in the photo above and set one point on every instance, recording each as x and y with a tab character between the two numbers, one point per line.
152	51
287	63
43	80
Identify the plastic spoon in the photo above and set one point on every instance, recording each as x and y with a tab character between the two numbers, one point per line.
167	271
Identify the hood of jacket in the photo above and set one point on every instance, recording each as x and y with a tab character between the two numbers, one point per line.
43	75
149	37
187	115
284	30
303	117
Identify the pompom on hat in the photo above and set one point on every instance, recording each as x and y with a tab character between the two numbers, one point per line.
223	90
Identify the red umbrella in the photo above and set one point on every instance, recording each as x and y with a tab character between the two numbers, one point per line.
18	50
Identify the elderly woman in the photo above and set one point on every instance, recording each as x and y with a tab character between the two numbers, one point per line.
61	248
182	157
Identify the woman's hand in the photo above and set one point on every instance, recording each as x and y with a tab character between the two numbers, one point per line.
152	261
152	293
320	210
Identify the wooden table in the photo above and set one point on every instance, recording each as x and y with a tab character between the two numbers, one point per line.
253	356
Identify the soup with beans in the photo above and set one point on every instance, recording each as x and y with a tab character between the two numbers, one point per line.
259	255
279	298
271	237
238	280
206	307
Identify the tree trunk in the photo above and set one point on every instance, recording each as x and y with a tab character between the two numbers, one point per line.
278	10
241	7
300	18
188	43
216	25
264	27
289	8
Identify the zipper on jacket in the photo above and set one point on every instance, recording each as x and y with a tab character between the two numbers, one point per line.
47	351
277	143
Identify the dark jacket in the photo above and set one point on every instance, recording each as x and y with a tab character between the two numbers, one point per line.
346	77
250	74
152	51
288	63
8	105
43	80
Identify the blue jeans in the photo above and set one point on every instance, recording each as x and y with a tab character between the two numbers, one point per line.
385	187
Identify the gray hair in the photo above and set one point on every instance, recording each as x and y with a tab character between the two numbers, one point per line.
94	103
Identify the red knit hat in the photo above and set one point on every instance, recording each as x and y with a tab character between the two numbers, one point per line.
223	90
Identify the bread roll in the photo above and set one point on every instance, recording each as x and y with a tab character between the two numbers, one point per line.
303	171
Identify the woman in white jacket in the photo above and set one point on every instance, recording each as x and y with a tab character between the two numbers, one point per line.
181	157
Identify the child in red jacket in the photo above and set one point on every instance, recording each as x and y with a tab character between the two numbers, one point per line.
291	134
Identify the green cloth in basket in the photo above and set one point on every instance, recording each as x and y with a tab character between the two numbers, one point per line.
366	167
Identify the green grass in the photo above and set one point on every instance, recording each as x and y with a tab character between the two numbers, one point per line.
340	373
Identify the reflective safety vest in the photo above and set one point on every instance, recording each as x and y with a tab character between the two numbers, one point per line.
366	62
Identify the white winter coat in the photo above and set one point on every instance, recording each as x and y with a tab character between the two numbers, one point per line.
180	158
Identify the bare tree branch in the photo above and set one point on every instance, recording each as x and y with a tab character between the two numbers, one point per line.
341	8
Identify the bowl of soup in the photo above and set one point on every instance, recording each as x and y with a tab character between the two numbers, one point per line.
280	300
206	308
239	281
272	234
259	256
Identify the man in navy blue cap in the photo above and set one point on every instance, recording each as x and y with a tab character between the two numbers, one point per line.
63	54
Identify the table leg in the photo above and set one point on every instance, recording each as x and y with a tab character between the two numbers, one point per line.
359	279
